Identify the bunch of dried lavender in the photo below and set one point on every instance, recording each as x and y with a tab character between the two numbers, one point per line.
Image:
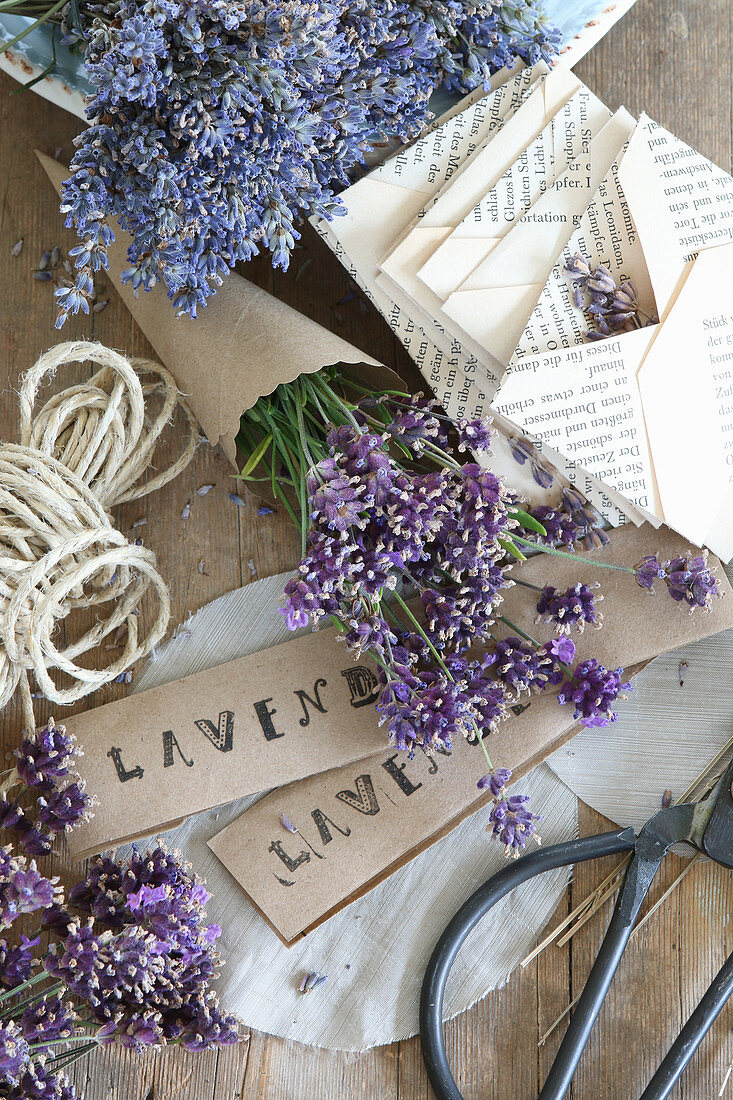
215	127
391	507
613	306
130	957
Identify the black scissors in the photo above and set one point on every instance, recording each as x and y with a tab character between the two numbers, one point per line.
706	824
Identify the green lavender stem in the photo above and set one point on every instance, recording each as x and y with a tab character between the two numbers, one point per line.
520	632
24	985
572	557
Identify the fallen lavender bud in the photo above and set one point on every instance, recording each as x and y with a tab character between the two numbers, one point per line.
522	449
17	248
312	981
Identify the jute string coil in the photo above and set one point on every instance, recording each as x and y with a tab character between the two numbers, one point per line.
86	449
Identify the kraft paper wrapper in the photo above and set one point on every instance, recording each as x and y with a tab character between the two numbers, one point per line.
242	345
158	756
391	815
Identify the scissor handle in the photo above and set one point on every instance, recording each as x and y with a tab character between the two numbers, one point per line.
692	1034
470	913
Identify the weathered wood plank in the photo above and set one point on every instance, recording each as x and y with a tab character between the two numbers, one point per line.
672	59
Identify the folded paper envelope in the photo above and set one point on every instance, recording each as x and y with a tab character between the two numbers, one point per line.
497	298
390	198
689	421
566	137
659	207
463	384
384	203
457	200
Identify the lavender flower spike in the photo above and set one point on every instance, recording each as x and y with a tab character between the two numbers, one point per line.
573	608
513	824
688	579
593	690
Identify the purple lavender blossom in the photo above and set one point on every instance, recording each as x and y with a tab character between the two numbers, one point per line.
338	502
36	840
423	711
473	435
14	1053
208	1026
649	570
16	961
562	649
566	610
38	1082
10	812
561	528
215	128
24	890
496	782
519	665
513	824
593	690
586	518
64	807
47	1020
688	579
45	756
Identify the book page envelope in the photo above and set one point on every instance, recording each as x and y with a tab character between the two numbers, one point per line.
383	203
686	385
659	207
462	382
457	200
566	137
495	301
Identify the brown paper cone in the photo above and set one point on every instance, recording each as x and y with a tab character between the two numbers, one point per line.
243	344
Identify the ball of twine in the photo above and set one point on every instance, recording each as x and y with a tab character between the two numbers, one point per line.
86	449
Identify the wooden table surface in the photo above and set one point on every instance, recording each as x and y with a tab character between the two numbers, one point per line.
671	58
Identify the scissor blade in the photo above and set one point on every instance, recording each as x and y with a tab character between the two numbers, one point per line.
708	824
